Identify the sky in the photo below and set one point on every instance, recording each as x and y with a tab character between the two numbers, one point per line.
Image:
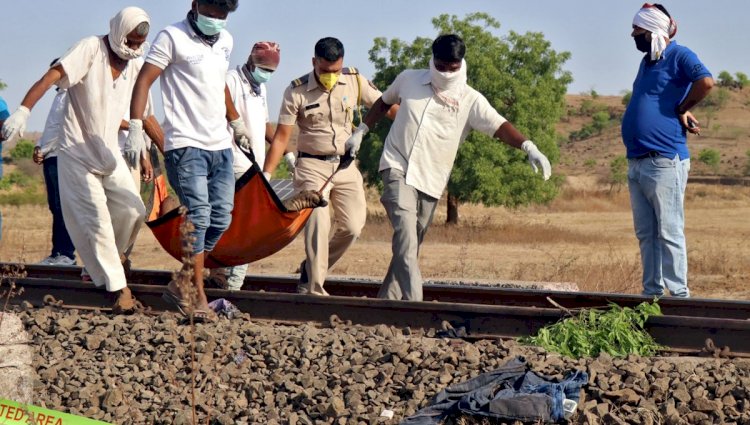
595	32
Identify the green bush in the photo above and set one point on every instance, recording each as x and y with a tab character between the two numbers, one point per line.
726	79
618	172
16	179
710	157
626	97
23	149
741	80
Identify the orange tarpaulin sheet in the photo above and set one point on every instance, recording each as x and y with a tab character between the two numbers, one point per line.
260	227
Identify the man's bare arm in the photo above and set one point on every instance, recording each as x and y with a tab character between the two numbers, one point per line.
149	73
278	147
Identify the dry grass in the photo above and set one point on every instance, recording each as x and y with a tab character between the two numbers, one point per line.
585	236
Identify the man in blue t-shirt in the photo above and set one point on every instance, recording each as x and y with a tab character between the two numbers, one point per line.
4	114
670	81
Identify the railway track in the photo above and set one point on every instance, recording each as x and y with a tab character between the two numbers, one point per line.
481	311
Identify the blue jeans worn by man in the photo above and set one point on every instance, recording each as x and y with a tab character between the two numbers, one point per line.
204	182
63	251
657	194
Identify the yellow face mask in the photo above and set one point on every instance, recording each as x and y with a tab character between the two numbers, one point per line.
328	79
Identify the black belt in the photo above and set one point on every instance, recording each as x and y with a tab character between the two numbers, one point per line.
652	154
328	158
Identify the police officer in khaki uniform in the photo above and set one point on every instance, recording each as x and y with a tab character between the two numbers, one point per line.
323	104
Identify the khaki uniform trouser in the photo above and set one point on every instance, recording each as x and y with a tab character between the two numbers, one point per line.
103	215
410	212
346	195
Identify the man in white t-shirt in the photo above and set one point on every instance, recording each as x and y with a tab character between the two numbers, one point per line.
102	210
247	87
437	111
192	59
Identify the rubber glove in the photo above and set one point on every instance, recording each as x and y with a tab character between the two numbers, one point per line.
134	144
241	135
290	160
352	144
16	123
537	159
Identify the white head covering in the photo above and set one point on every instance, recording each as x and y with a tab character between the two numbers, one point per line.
661	26
123	24
449	86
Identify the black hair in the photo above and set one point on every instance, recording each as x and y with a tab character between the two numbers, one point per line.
663	9
448	48
227	5
329	48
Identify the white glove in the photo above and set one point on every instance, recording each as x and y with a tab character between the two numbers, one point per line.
537	159
16	123
134	144
267	175
290	160
352	144
241	135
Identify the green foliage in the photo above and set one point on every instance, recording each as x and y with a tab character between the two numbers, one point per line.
29	196
2	85
617	331
23	149
626	97
16	179
725	79
716	99
594	94
741	80
710	157
601	120
589	163
519	74
618	172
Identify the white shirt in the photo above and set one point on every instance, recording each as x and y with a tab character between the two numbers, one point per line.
53	127
96	104
253	110
192	86
425	136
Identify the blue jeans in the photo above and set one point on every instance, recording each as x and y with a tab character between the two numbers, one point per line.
61	243
204	182
657	196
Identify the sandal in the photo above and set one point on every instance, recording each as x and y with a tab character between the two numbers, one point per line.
199	315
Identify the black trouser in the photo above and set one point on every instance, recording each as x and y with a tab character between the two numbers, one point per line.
61	243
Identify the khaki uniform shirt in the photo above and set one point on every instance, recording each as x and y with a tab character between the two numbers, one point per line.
325	118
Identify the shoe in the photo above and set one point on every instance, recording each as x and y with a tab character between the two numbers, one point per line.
63	260
85	276
217	278
48	261
124	302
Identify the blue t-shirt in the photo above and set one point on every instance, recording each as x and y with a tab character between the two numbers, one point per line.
4	114
650	122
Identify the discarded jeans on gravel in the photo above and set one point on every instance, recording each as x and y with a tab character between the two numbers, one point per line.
222	306
513	392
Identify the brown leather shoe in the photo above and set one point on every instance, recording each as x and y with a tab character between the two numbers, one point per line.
125	303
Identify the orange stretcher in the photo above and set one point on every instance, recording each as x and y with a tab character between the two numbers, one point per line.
261	225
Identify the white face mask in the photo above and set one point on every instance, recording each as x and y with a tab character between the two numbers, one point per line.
449	86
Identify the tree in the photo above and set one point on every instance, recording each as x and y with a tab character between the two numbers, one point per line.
626	97
726	79
710	157
520	75
741	80
618	172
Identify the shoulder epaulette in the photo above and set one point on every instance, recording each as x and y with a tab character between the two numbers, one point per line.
301	80
350	70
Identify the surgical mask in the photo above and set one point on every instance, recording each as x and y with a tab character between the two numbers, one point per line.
261	75
328	80
641	43
210	26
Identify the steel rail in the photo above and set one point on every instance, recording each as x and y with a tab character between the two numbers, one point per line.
485	295
480	321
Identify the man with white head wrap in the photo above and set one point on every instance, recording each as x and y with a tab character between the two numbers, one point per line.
670	81
437	111
101	207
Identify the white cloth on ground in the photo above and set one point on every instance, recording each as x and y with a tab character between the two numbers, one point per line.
103	214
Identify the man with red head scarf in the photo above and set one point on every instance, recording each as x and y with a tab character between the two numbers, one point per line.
671	80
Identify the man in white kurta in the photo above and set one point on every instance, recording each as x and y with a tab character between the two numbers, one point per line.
102	209
437	111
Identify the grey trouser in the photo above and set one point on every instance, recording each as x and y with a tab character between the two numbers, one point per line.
410	212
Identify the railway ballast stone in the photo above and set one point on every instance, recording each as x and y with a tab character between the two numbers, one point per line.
17	375
138	371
